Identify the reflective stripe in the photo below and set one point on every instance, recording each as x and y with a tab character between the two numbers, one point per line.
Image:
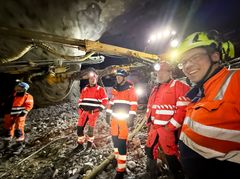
182	103
92	99
90	104
175	123
20	139
233	156
29	100
109	111
121	166
120	116
81	139
122	157
213	132
121	101
116	153
160	122
25	111
154	106
173	83
224	86
132	112
18	108
7	138
90	139
16	112
133	103
163	106
101	106
165	112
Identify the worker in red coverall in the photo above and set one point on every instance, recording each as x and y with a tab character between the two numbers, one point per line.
15	112
93	99
121	111
165	114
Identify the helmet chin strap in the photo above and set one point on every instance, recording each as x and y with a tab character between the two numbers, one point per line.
122	82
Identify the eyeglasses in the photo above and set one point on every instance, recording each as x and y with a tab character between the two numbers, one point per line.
193	59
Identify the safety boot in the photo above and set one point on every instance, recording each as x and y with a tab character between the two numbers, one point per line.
89	147
119	175
79	148
152	170
175	167
18	148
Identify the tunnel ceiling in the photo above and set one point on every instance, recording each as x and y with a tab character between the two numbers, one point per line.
123	23
80	19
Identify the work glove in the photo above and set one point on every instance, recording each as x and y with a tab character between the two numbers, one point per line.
131	120
22	114
108	117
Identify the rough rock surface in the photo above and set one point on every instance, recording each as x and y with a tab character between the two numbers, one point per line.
57	124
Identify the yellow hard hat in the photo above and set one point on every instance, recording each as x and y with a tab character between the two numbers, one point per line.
197	39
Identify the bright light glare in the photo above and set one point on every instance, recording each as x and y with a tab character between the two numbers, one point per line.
153	38
174	43
156	67
173	54
92	75
139	91
120	115
159	35
173	32
166	33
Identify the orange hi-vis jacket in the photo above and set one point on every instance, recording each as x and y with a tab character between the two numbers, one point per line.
22	104
212	125
93	98
166	104
15	119
122	105
123	101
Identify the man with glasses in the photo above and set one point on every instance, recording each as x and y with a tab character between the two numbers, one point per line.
210	139
165	114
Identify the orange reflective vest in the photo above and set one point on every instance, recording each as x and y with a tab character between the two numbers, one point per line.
212	125
166	104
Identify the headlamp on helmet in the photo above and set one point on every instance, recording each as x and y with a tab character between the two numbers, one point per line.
24	85
92	73
227	50
121	72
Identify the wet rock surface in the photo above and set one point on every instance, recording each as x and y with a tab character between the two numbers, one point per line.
50	140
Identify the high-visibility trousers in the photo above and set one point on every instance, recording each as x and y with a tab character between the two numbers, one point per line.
14	126
158	136
87	117
119	128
